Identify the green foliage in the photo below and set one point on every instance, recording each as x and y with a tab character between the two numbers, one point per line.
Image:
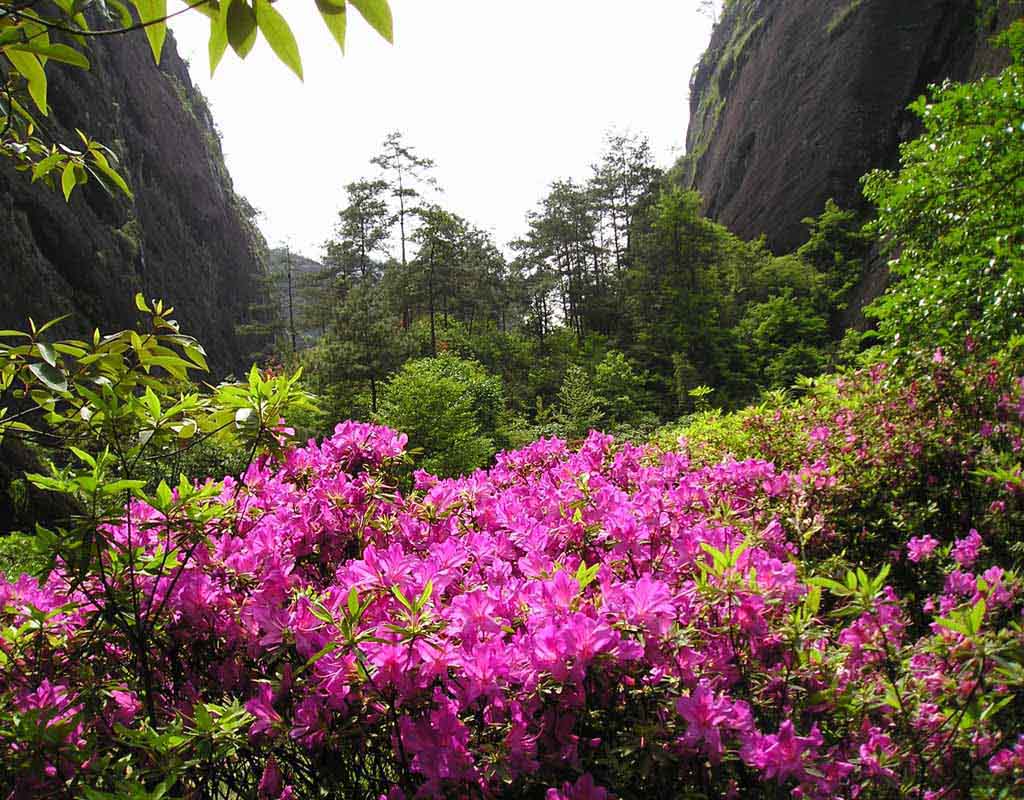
837	247
579	407
624	262
451	409
903	454
787	337
18	555
118	419
406	171
954	214
683	296
364	226
364	345
621	388
26	49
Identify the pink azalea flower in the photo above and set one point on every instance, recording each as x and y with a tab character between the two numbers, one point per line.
271	782
262	707
921	548
707	715
781	755
965	551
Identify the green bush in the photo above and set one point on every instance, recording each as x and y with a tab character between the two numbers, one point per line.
451	409
954	214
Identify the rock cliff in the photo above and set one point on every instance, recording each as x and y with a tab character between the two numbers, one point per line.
186	238
794	100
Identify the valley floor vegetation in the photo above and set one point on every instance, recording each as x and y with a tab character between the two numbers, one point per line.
814	597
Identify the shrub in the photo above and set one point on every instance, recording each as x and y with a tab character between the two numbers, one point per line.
954	215
579	408
613	620
450	408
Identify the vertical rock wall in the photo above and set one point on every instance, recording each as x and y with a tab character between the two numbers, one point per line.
186	238
795	100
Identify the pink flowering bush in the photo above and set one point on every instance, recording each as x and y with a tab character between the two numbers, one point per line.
609	621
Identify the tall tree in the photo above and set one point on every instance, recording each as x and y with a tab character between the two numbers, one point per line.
562	242
364	344
625	173
288	278
364	226
405	171
441	238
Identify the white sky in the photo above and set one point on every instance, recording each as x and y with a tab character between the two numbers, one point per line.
505	96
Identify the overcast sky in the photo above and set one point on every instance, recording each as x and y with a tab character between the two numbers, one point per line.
505	97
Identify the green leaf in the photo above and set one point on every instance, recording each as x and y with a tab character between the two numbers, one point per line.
211	8
585	575
218	36
320	612
173	364
401	598
835	587
279	36
151	403
428	590
122	11
115	487
378	14
83	456
203	719
164	496
153	13
197	355
57	52
954	625
68	181
52	378
977	616
50	323
27	64
11	35
43	167
813	601
241	27
46	353
336	22
100	163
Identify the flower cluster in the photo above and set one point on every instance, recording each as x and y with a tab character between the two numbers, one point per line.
613	620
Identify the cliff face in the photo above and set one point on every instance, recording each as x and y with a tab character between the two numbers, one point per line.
186	238
796	99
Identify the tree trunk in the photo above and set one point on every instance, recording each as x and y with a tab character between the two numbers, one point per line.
430	292
291	301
